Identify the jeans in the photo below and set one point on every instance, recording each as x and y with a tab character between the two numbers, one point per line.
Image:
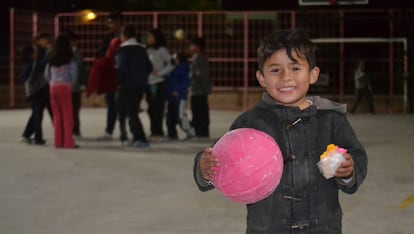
76	104
34	123
201	115
128	107
156	98
111	113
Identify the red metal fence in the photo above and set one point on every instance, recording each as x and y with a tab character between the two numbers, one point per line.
232	39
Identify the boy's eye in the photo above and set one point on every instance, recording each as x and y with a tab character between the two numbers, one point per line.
275	70
295	68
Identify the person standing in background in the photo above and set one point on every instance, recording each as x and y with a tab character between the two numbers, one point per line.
133	68
43	44
80	81
362	87
200	88
35	88
177	90
102	78
156	90
61	73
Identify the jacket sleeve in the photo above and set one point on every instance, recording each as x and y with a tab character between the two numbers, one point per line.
201	73
345	137
27	71
148	63
73	72
47	73
202	184
166	57
120	63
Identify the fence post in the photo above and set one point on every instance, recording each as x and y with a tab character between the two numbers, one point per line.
292	20
12	58
155	19
199	24
34	25
56	26
245	60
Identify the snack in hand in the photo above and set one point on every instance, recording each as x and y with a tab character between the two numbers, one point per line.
330	160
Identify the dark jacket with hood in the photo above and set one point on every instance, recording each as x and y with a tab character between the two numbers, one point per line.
132	65
304	201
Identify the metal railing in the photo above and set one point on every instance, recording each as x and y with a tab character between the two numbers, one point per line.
232	39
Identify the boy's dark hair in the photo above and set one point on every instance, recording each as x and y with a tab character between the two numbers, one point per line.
61	52
116	16
291	40
182	57
128	31
26	53
199	42
71	35
160	40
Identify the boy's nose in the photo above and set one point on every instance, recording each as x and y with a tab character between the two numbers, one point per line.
285	76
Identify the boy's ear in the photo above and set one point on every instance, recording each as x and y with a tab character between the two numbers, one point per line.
260	78
314	75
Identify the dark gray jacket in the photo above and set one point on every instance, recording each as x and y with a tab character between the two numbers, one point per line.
200	76
304	201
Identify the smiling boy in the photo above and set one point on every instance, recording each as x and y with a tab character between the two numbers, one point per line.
304	201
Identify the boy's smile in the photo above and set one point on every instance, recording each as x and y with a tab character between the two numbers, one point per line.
287	81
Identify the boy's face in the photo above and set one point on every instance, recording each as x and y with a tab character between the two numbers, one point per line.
43	42
286	81
150	39
123	38
194	49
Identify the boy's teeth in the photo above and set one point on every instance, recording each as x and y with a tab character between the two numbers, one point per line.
285	89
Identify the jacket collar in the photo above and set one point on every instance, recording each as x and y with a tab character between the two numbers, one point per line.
316	101
130	42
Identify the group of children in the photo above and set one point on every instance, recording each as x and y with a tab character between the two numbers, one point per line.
164	79
125	72
52	74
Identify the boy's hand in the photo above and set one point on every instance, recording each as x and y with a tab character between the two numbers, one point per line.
207	162
346	168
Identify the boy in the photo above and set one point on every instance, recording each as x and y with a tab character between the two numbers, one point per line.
133	68
35	87
304	201
177	89
200	88
102	78
80	81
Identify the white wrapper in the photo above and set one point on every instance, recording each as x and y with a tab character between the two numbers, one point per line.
329	164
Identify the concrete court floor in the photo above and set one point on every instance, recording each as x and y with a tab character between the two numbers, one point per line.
103	188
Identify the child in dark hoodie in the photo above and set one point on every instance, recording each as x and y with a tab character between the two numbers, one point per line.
177	89
35	88
133	67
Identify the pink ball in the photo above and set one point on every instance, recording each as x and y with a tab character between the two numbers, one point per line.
251	165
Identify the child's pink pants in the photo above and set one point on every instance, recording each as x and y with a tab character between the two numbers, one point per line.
61	102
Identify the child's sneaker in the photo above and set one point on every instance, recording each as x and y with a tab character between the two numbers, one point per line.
27	140
106	137
39	142
141	145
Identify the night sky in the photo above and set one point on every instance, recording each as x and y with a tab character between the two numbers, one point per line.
71	5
